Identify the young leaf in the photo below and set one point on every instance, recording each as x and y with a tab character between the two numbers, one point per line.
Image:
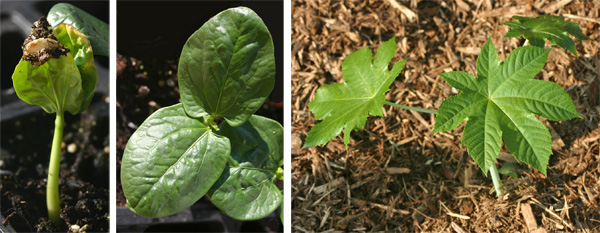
55	85
245	190
227	67
94	29
170	162
553	28
347	105
81	50
500	104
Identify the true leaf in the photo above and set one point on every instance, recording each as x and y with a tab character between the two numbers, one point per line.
81	50
94	29
227	67
245	190
55	85
553	28
170	162
500	105
347	105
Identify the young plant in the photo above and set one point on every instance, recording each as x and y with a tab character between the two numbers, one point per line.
211	143
500	105
347	105
56	72
553	28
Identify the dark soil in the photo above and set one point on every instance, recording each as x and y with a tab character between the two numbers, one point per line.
84	172
439	187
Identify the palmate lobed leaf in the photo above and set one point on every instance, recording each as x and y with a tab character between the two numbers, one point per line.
553	28
500	105
347	105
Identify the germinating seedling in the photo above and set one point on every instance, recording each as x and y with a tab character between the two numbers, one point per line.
181	153
499	105
57	72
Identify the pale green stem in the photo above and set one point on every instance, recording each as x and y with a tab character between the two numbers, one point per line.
496	180
52	196
526	42
411	108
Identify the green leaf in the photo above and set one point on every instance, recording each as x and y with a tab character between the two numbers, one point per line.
227	67
281	212
81	50
94	29
170	162
347	105
246	188
500	105
55	85
553	28
509	169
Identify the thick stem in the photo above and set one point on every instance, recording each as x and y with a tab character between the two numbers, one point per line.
526	42
411	108
52	197
496	179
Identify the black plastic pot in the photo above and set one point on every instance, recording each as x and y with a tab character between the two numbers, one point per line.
201	217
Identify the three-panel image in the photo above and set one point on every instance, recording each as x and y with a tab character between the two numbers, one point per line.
299	116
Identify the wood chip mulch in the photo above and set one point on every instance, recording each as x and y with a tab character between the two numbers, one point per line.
398	176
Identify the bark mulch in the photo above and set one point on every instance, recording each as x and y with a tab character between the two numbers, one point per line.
398	176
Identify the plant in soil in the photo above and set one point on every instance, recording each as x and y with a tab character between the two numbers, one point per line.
212	143
499	105
57	72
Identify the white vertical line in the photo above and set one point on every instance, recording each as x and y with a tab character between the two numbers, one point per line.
287	115
112	74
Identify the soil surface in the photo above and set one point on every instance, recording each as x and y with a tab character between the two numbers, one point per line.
398	176
146	85
84	170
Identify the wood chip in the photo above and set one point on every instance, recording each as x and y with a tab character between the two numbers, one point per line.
397	170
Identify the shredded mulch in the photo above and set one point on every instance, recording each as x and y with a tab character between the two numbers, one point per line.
398	176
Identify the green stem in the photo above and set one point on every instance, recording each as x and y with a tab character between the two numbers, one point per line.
52	197
526	42
411	108
496	179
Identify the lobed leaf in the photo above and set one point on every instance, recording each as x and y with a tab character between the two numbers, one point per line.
227	67
347	105
500	104
170	162
553	28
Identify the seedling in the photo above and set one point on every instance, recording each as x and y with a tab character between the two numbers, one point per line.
500	104
56	72
212	143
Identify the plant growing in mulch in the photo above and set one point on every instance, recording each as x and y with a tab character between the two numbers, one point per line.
499	105
212	143
57	72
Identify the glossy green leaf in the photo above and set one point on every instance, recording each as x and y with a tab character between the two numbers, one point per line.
553	28
170	162
500	105
94	29
55	85
245	190
81	50
347	105
227	67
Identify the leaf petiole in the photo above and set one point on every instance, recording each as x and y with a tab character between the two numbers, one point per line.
411	108
52	196
496	180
